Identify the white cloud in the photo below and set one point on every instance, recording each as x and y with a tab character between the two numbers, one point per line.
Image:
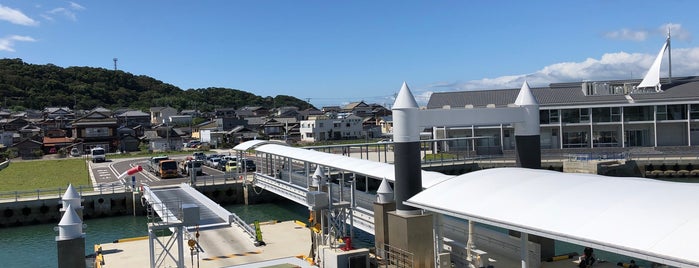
8	43
76	6
16	17
68	12
676	31
611	66
626	34
65	12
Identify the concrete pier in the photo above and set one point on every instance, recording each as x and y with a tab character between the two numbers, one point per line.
222	247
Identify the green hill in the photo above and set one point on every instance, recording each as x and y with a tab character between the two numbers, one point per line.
33	86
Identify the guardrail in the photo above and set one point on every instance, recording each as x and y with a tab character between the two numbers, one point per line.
42	194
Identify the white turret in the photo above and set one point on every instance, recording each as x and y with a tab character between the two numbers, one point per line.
71	198
70	226
384	194
318	177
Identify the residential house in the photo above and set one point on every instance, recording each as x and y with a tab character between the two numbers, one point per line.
58	112
241	134
96	129
13	124
180	120
134	118
159	115
128	141
386	123
249	111
225	112
320	129
191	112
229	123
360	109
28	149
330	109
163	138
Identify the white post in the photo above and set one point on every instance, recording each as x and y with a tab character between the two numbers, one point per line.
524	252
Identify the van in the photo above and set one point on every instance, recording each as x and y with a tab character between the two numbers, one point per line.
98	154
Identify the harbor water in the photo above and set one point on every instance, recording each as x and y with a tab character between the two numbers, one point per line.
35	246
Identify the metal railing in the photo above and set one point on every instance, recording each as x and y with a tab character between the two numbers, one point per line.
394	257
51	193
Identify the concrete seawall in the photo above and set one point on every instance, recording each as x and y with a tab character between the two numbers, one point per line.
97	205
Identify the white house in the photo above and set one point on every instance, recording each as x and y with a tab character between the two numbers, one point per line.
322	128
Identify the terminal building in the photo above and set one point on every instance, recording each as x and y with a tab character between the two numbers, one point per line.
598	115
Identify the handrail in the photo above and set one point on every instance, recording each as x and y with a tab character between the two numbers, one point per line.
52	193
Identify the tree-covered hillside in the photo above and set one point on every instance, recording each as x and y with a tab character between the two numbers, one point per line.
32	86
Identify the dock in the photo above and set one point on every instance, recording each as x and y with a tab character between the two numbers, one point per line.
224	247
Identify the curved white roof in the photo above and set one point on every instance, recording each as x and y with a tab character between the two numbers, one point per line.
643	218
360	166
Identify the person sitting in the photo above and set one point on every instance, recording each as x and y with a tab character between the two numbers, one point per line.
587	259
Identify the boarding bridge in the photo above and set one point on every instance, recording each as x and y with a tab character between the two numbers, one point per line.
167	203
179	208
362	215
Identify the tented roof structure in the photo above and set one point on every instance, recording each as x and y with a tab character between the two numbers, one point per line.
364	167
638	217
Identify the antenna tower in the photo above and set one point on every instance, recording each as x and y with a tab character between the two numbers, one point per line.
115	64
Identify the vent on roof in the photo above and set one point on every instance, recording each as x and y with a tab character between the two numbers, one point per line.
608	88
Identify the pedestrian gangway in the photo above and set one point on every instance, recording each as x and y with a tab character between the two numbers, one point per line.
362	215
167	203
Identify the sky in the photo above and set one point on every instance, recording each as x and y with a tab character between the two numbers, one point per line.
337	52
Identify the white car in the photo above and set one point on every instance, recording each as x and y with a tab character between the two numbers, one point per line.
74	152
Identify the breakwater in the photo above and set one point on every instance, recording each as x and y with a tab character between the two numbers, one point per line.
109	204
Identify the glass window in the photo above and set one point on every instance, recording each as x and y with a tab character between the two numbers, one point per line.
575	139
677	112
694	111
544	117
638	113
603	114
585	115
604	139
571	115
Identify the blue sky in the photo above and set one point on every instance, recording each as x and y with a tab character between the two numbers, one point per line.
335	52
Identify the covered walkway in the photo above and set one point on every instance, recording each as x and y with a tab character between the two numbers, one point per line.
642	218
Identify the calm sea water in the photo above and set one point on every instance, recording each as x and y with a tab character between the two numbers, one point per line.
35	246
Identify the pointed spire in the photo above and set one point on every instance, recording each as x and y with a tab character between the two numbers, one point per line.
525	96
71	193
405	98
70	198
70	226
384	194
318	177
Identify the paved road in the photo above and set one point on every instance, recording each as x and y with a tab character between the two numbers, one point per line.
106	174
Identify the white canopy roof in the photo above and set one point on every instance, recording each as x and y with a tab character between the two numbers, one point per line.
643	218
360	166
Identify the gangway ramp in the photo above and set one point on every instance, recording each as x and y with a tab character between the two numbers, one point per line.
167	203
363	217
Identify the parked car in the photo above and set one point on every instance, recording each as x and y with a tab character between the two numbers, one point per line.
222	164
213	162
199	156
248	165
231	166
193	144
